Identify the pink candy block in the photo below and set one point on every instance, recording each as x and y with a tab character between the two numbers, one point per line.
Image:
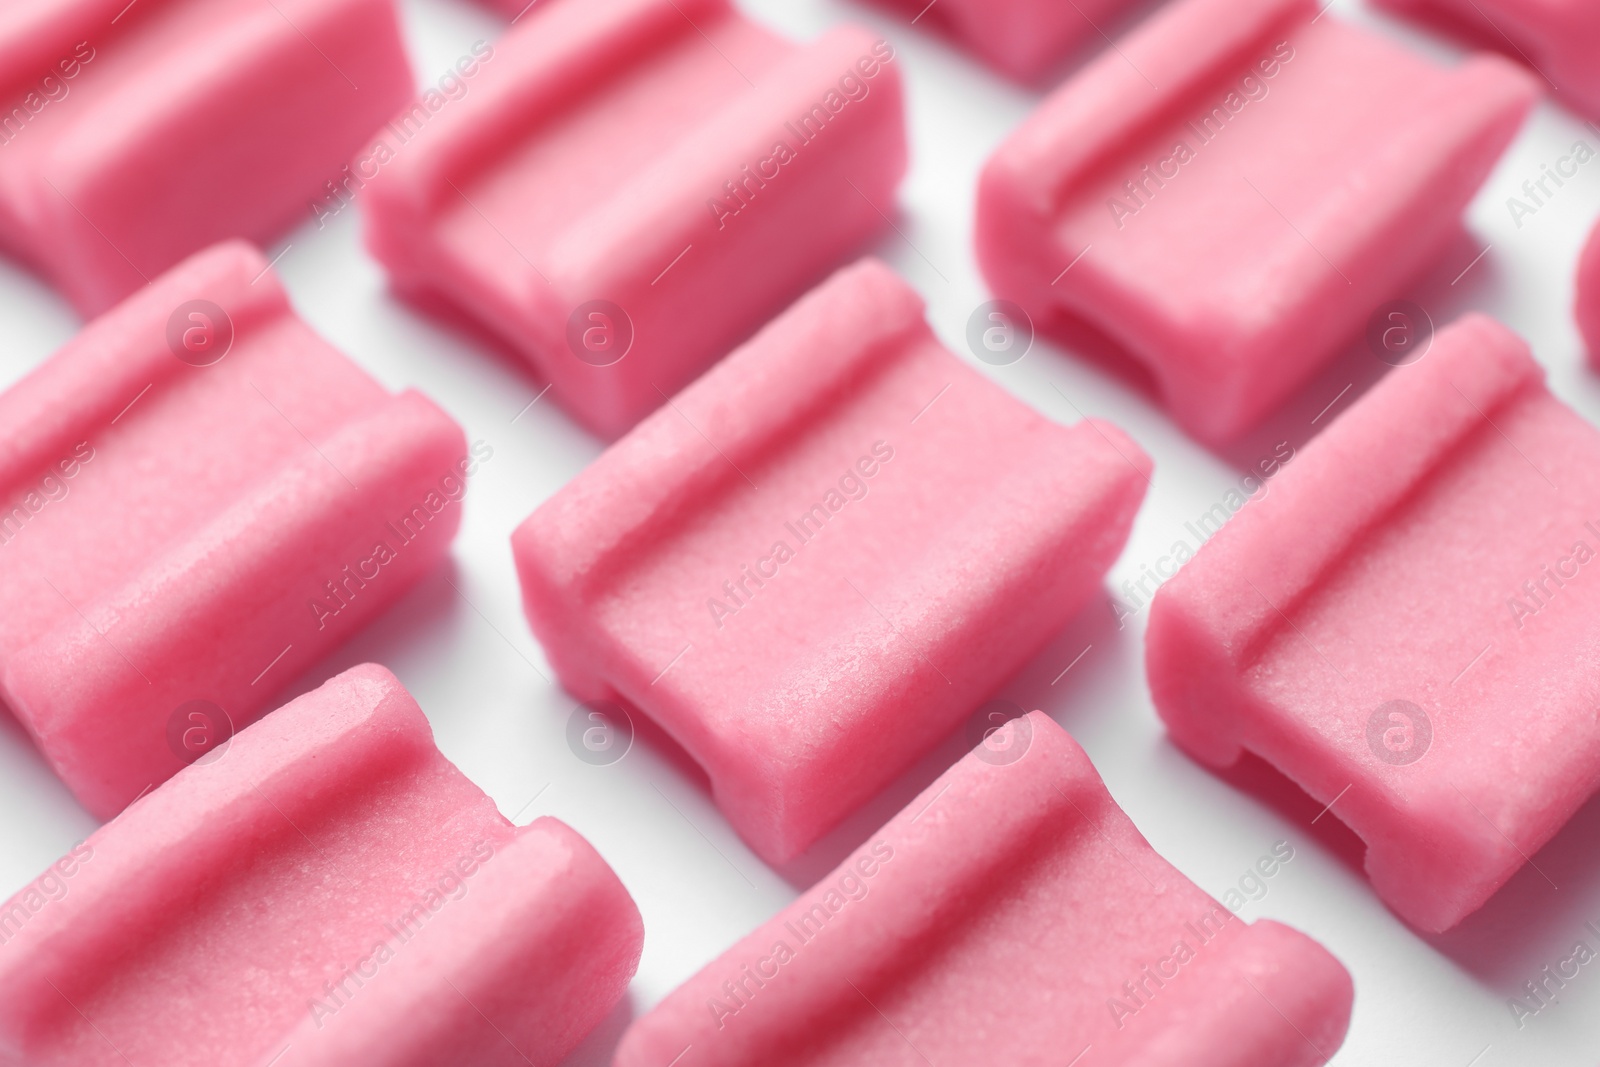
820	556
1402	624
1560	39
632	187
1170	196
1023	38
134	135
329	890
1011	914
180	540
1589	296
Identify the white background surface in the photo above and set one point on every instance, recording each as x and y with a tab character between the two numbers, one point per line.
471	662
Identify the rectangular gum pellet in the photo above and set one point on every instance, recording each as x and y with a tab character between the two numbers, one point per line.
199	497
1357	629
1152	197
632	187
326	890
1559	39
1010	914
132	136
819	557
1023	38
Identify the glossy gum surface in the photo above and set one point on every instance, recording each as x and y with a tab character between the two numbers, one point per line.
132	136
935	533
328	890
997	919
167	530
1367	576
1236	265
595	159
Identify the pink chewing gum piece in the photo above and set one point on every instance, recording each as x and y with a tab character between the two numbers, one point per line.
632	187
1559	39
917	535
1173	221
1589	296
134	135
327	890
1010	914
173	533
1357	629
1022	38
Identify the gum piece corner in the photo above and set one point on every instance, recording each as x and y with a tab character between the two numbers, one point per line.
1588	305
1557	39
1024	39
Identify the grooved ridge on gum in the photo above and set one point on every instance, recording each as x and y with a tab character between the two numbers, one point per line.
1404	624
199	498
1230	193
820	557
1010	914
329	890
632	187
